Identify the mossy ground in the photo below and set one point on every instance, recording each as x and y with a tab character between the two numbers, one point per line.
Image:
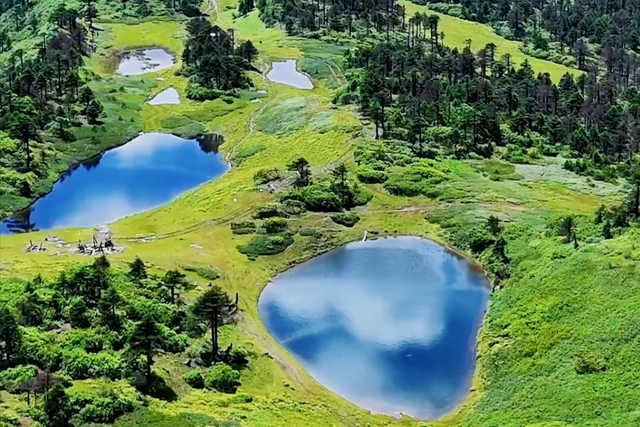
560	302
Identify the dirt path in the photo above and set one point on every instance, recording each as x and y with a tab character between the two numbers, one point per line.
250	126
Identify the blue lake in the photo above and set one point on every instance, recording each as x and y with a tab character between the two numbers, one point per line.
389	324
145	173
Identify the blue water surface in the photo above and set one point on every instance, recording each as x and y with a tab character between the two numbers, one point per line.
388	324
146	172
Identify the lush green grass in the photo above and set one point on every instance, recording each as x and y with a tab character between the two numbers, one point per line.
561	303
457	31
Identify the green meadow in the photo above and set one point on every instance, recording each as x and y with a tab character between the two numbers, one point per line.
560	305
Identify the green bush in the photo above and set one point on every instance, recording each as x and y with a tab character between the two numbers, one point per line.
78	364
369	175
265	176
267	211
10	379
588	364
243	227
222	377
101	402
91	340
201	93
477	238
208	273
309	232
294	207
419	178
274	225
316	197
348	219
266	245
194	378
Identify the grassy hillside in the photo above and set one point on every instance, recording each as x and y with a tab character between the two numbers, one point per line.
457	31
561	307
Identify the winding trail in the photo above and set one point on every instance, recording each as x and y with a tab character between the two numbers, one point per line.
251	126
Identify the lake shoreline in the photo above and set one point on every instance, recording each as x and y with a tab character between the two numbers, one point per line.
72	167
423	249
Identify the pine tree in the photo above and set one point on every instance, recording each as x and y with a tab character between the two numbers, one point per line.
146	339
107	307
211	308
10	336
301	166
176	280
137	270
493	225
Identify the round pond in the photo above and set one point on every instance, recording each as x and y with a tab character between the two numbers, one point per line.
146	172
389	324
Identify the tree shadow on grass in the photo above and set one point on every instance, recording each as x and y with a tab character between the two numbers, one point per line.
155	386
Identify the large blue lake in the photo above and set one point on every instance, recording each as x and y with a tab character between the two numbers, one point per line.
389	324
145	173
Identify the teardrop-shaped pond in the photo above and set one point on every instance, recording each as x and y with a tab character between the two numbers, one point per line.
145	173
286	72
169	96
389	324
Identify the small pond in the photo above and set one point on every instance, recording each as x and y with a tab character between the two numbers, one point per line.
147	172
141	61
389	324
286	72
168	96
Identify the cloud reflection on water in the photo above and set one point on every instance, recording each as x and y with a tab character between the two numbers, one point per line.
387	324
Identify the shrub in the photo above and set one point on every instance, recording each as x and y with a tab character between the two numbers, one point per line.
243	227
208	273
265	176
266	245
237	358
419	178
267	211
194	378
10	379
222	377
201	93
102	402
293	207
316	197
309	232
91	340
369	175
174	342
477	238
79	364
274	225
588	364
348	219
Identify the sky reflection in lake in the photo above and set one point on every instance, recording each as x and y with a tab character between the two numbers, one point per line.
147	172
389	324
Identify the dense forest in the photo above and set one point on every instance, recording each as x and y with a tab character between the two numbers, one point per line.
590	31
463	103
93	322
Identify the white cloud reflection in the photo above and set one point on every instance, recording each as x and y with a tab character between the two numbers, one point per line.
356	314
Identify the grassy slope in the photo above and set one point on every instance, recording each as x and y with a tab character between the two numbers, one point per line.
457	31
534	328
